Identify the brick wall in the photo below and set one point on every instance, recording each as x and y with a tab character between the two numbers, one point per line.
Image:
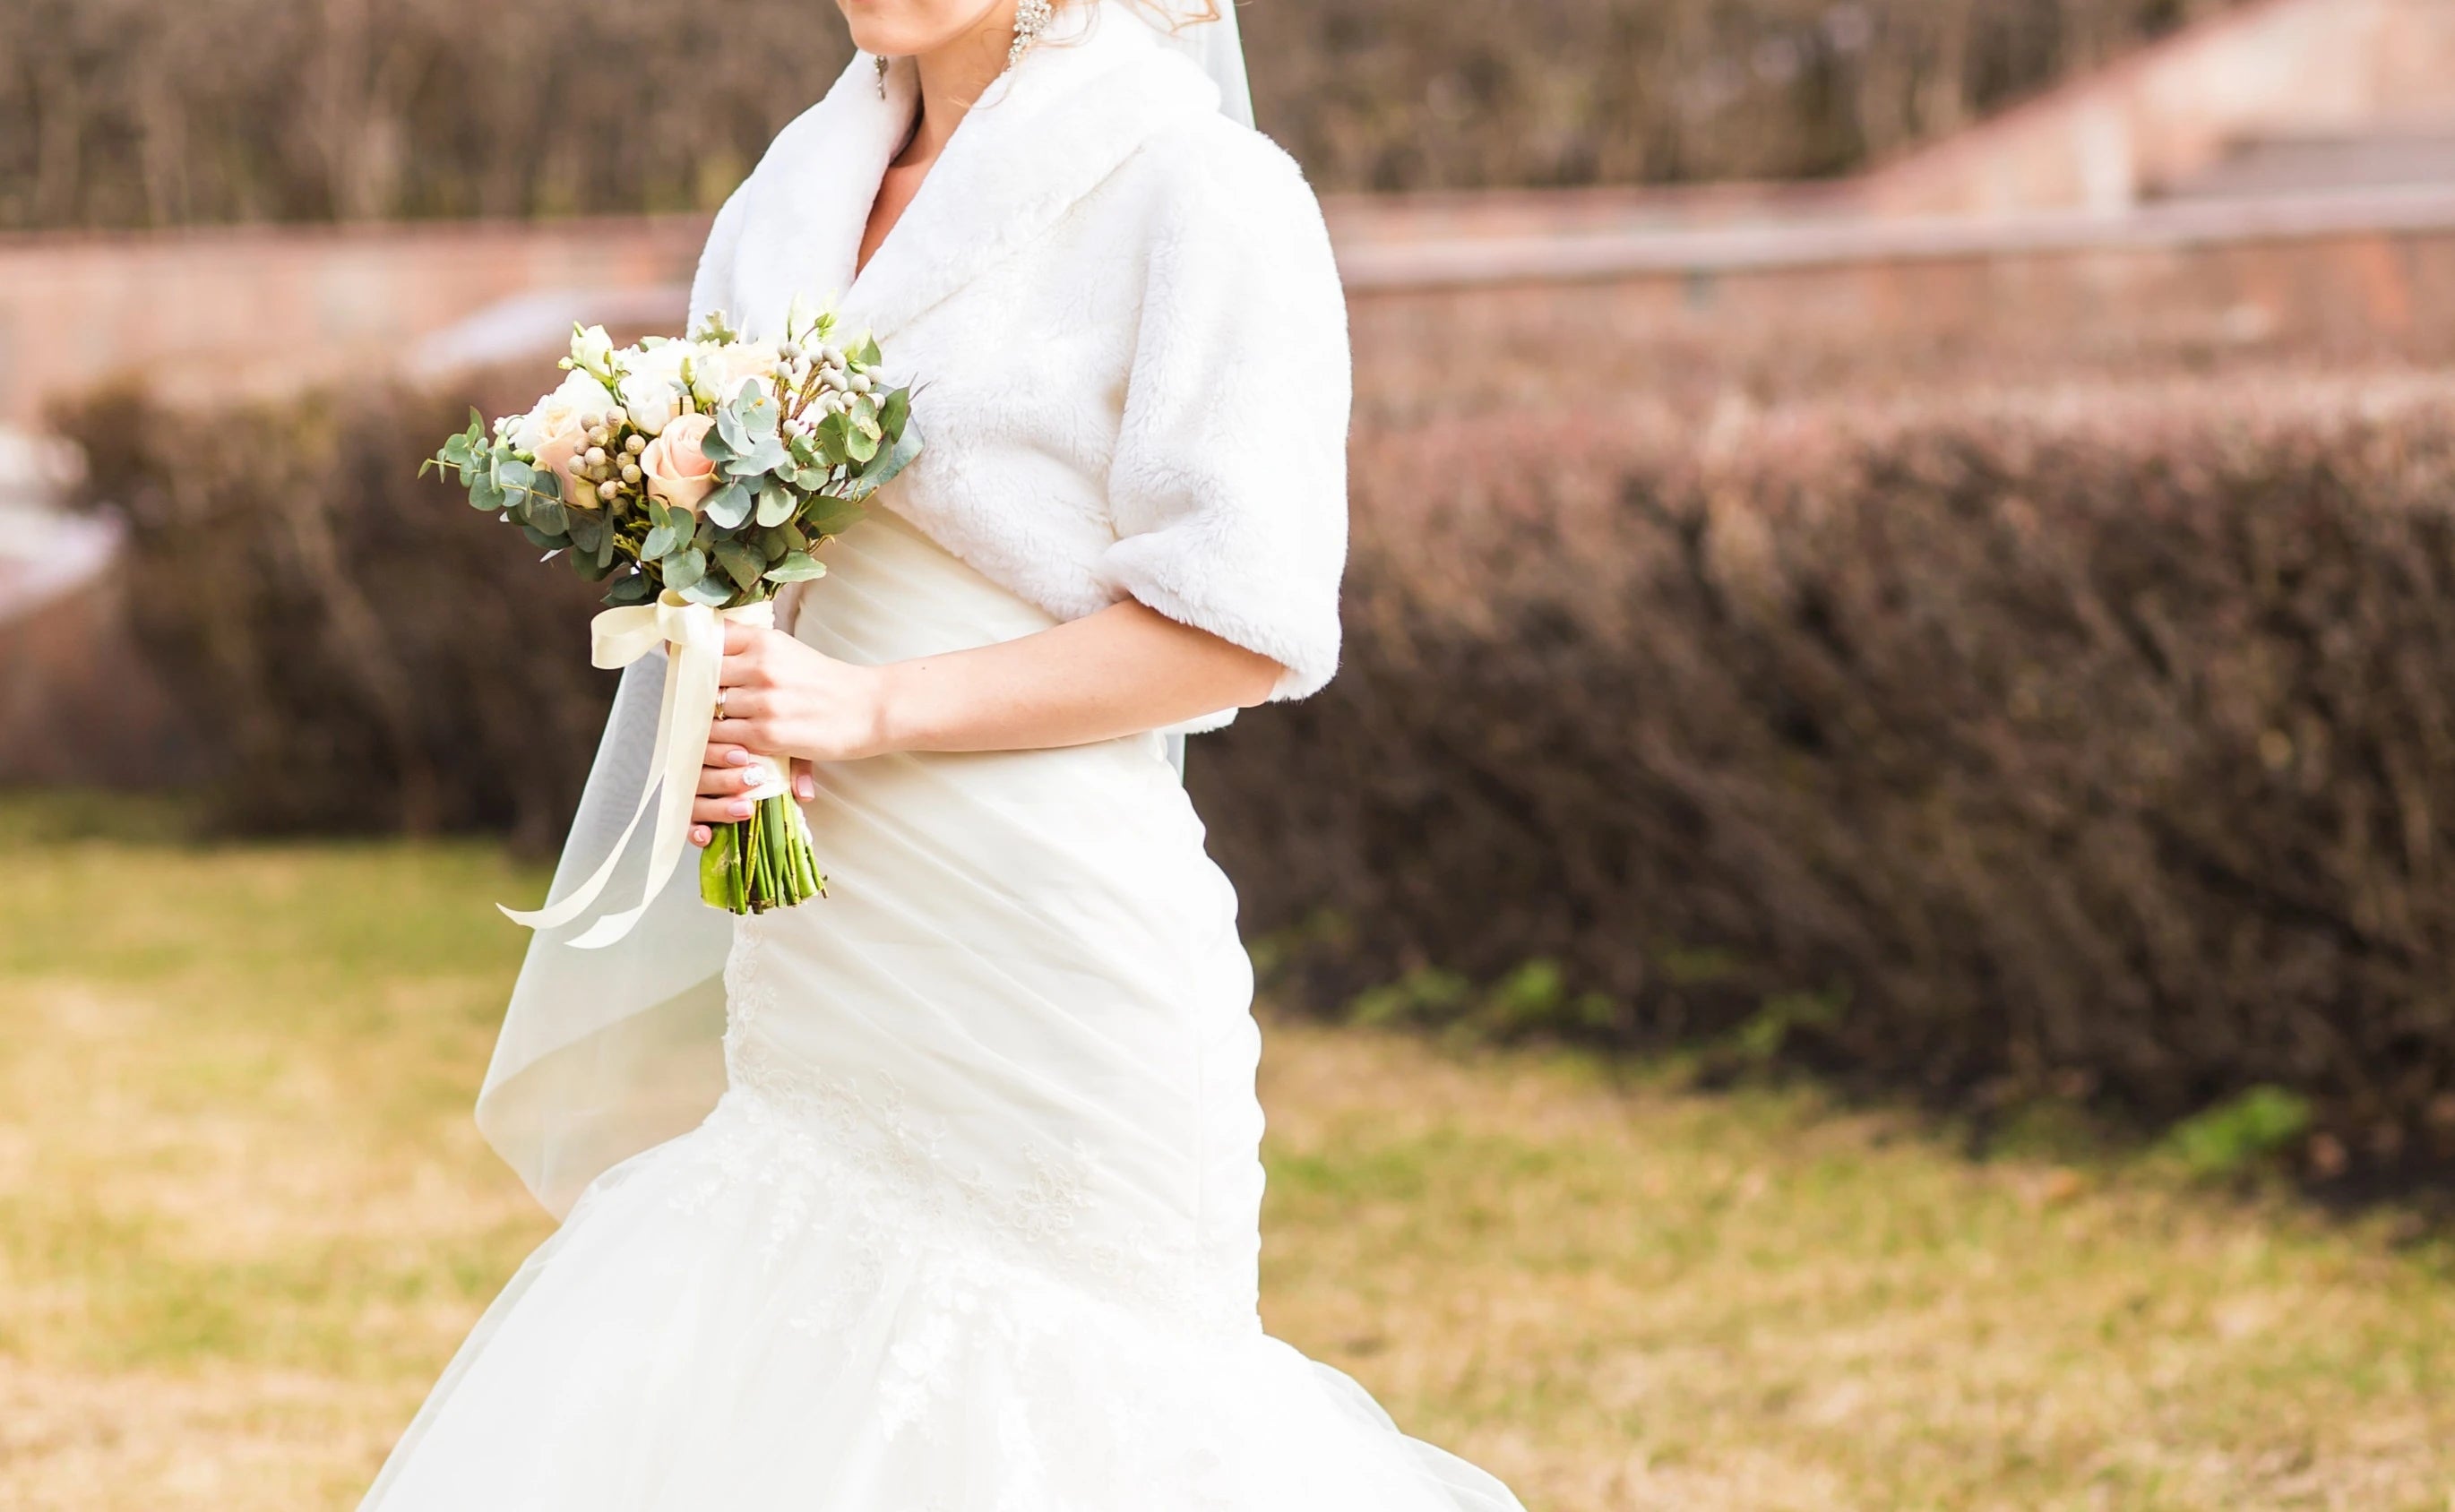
2282	67
1616	274
261	306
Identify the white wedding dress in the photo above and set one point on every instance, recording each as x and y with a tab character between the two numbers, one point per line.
974	1226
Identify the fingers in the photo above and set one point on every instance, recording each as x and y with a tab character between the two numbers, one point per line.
746	660
730	781
719	810
742	701
726	777
742	734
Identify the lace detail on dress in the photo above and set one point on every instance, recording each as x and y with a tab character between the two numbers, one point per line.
861	1159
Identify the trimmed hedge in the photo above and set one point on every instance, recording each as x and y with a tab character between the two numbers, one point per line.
2097	744
363	651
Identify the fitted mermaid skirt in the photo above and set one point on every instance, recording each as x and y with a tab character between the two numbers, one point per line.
974	1226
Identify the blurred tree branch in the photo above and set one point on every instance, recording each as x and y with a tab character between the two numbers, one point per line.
145	113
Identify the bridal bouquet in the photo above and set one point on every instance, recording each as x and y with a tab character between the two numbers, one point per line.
696	476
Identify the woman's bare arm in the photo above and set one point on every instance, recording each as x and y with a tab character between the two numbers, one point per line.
1125	669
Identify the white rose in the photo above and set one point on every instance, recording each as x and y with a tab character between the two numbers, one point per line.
801	317
559	411
723	372
591	348
651	401
658	360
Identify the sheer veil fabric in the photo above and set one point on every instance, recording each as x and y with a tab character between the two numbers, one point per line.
942	1193
1218	51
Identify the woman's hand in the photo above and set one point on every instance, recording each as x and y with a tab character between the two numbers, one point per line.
1114	672
785	701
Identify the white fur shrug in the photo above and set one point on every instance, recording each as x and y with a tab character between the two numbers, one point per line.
1123	309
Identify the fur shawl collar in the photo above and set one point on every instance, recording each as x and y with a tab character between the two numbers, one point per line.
1126	319
1049	130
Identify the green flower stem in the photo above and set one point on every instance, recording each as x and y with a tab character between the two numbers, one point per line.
762	862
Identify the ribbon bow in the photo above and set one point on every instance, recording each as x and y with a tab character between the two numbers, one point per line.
694	636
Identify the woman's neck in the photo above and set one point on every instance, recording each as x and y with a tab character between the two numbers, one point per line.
954	75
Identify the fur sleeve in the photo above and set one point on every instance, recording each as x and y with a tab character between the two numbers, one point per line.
1229	486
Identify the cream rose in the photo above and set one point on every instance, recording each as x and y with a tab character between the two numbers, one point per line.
651	401
720	373
677	469
554	435
592	349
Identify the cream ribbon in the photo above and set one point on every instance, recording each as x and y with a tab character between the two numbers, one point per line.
693	635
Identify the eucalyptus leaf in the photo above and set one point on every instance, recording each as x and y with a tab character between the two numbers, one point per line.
893	459
796	566
732	428
830	517
830	439
684	568
740	562
540	539
660	539
635	589
713	591
549	516
588	530
775	504
768	455
861	445
727	507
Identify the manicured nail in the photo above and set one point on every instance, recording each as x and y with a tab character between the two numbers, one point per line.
739	808
737	756
803	787
699	836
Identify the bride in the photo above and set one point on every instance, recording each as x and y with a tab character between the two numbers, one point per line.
940	1193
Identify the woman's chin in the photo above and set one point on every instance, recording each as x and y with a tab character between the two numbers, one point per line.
896	28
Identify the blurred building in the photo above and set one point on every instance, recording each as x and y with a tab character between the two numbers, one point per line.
2241	176
2276	183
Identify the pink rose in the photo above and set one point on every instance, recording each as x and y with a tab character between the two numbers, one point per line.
679	472
557	454
555	432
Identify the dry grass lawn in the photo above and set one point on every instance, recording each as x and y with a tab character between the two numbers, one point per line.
244	1219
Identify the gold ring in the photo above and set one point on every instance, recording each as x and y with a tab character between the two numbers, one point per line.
720	701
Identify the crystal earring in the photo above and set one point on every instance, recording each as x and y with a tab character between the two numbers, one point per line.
881	76
1031	18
